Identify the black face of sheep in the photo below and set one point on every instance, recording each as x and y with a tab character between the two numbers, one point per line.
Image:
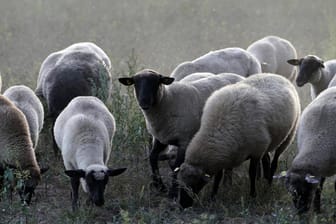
96	182
27	190
308	67
302	190
146	84
193	180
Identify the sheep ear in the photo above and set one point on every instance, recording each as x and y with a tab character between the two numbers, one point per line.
281	175
294	61
312	179
75	173
115	172
166	80
321	63
127	81
206	178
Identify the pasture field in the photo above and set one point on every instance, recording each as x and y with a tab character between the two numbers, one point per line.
156	34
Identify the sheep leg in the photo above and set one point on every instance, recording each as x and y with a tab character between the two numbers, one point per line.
274	165
55	147
173	191
253	173
317	199
153	158
266	162
74	186
218	178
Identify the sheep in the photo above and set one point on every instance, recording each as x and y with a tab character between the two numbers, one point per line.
316	156
16	148
25	99
83	132
82	69
315	71
273	52
172	111
242	121
233	60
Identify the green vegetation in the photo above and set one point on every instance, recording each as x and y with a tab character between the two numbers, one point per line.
157	35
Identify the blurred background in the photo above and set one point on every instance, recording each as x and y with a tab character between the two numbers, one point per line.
162	33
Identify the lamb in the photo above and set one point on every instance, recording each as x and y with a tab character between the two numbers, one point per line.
82	69
172	111
25	99
16	147
316	157
242	121
315	71
83	132
233	60
273	52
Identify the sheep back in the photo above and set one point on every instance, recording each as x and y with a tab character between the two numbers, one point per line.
15	142
244	120
316	138
230	60
86	121
273	53
25	99
82	69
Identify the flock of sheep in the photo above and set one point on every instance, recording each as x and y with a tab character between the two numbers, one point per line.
208	117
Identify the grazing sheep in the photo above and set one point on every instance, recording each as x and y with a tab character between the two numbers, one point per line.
316	158
16	148
83	132
232	60
25	99
273	53
240	122
82	69
172	111
313	70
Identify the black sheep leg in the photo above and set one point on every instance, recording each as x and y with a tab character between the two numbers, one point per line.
266	162
317	199
173	191
253	173
74	186
218	178
153	158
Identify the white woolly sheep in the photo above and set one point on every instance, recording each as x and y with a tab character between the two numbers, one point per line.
172	111
233	60
83	132
242	121
316	156
16	148
25	99
315	71
82	69
273	53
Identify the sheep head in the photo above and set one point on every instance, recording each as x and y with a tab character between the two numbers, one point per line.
147	85
96	177
309	69
193	179
302	188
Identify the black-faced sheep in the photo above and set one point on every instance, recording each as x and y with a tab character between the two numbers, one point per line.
316	158
25	99
172	111
233	60
83	132
82	69
315	71
242	121
16	148
273	53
